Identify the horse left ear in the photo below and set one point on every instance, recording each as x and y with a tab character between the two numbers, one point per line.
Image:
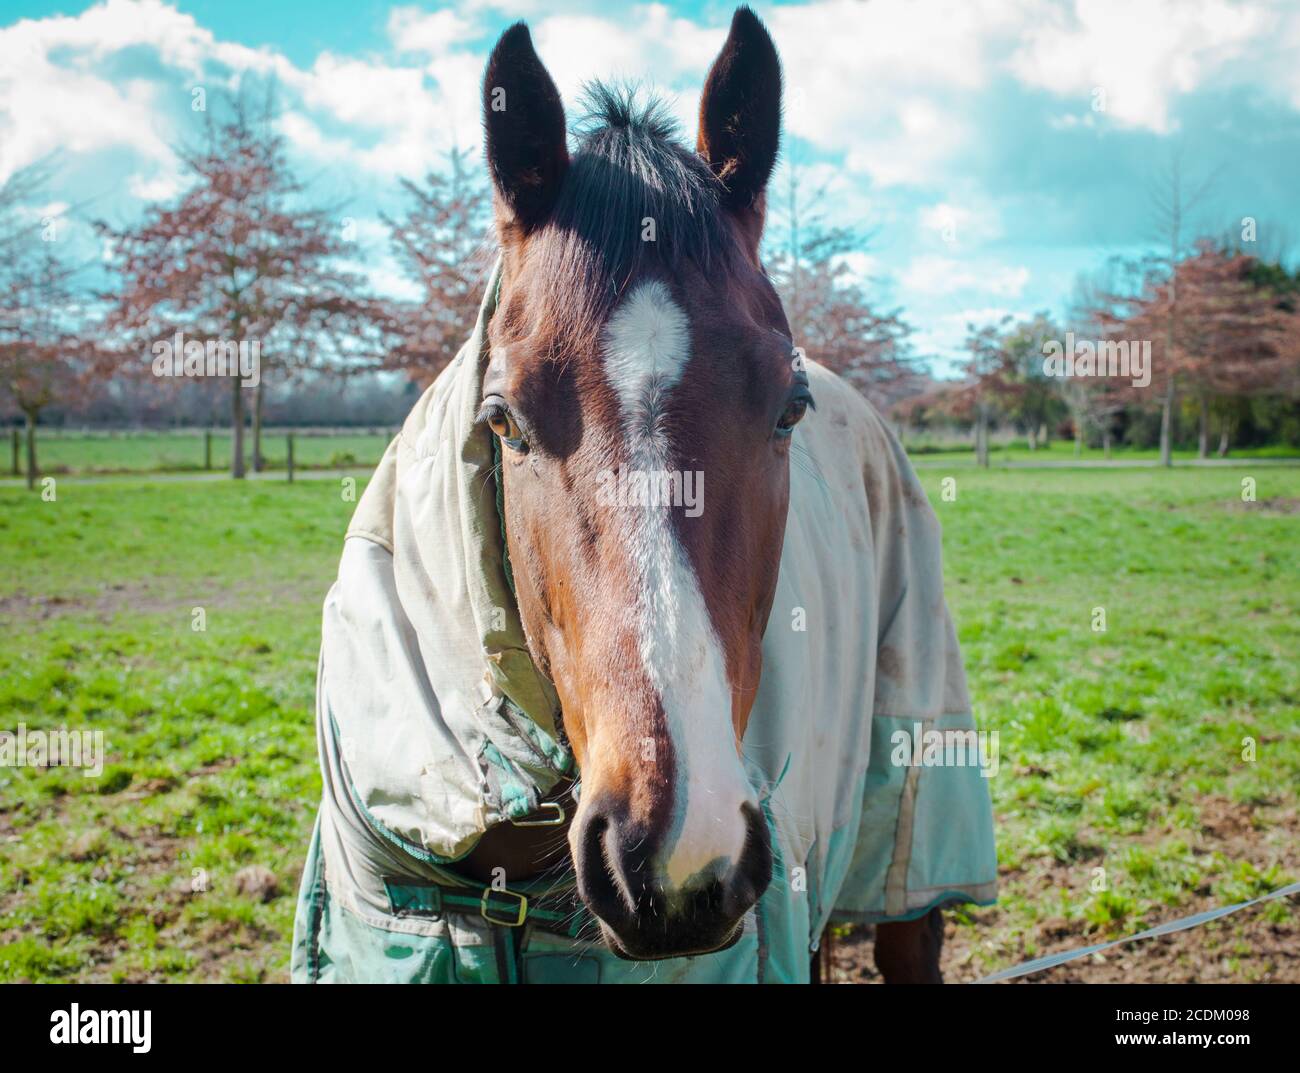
740	112
523	119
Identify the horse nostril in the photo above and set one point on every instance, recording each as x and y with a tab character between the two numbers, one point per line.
595	883
612	877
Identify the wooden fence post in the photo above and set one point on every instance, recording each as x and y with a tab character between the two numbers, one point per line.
289	456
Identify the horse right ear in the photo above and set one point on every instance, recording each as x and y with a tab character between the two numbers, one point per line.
523	118
740	112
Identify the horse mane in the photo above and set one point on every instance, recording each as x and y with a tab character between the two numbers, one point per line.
628	167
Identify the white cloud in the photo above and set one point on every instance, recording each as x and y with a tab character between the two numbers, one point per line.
944	335
161	186
648	44
889	83
55	96
1140	55
46	107
956	223
897	85
435	33
380	117
903	93
864	266
938	276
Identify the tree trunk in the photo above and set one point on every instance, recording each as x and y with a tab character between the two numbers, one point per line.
31	447
982	438
1166	421
1105	442
1203	434
257	428
236	430
1223	441
1033	438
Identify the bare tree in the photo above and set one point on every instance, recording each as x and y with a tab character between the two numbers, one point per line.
1106	308
1173	199
831	317
1031	394
45	352
442	243
990	378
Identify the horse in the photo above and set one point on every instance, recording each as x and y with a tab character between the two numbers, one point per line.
662	467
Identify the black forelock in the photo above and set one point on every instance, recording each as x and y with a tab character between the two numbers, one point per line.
629	167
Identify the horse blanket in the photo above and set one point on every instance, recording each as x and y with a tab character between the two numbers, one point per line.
433	723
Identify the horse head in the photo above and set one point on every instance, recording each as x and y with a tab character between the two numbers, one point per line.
644	388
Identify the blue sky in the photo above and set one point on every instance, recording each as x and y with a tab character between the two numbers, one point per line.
994	150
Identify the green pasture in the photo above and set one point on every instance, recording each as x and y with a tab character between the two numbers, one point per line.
1120	751
179	452
76	453
928	451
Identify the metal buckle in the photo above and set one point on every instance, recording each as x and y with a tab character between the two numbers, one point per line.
485	909
545	806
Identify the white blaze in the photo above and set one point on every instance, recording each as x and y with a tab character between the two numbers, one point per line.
647	347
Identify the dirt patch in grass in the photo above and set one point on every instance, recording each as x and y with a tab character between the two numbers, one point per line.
1248	946
1268	505
155	598
1241	948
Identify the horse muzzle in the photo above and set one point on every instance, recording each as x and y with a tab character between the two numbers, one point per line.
646	917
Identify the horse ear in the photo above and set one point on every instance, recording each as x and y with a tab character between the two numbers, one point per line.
523	117
740	111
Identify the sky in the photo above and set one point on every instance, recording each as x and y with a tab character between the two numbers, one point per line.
989	150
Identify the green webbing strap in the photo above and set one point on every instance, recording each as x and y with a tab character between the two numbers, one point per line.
504	908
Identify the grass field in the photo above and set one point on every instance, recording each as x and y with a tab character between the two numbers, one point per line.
927	452
135	451
1120	750
178	452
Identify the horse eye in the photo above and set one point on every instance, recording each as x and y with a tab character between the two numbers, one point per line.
498	419
791	416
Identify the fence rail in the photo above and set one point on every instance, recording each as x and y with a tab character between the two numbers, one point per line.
186	450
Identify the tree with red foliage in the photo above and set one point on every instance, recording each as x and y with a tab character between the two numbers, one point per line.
1234	337
236	258
1239	341
991	380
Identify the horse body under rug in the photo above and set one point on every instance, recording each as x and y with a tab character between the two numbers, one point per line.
434	725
